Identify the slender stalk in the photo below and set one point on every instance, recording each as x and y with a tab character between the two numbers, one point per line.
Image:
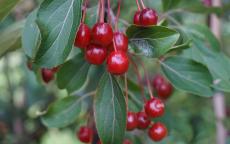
138	5
109	12
84	11
118	15
126	92
102	14
143	5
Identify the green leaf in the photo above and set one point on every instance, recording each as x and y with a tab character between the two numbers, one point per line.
91	16
204	33
58	21
31	37
153	41
110	111
6	6
73	74
217	63
10	38
62	112
169	4
188	75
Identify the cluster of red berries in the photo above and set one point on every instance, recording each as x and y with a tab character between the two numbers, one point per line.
153	108
85	135
145	17
102	44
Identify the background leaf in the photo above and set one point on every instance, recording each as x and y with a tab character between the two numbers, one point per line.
187	75
6	6
110	111
58	21
31	37
62	112
153	41
10	38
73	74
169	4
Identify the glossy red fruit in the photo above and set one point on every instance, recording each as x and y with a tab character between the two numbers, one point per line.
131	121
120	41
148	17
143	121
164	90
85	134
95	54
126	141
157	132
47	75
83	36
117	62
158	80
102	34
154	108
136	18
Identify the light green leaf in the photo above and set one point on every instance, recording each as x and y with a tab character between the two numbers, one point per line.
73	74
11	37
153	41
187	75
6	6
110	111
58	21
62	112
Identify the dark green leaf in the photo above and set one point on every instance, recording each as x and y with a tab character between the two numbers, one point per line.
187	75
110	111
73	74
58	21
153	41
63	112
10	38
5	7
31	37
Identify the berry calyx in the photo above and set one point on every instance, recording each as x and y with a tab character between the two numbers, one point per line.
154	108
158	80
126	141
120	41
164	90
143	121
117	62
157	131
102	34
95	54
83	36
131	121
47	75
136	18
148	17
85	134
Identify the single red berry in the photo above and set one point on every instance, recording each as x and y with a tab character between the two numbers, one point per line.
85	134
131	121
136	18
126	141
143	121
95	54
83	36
117	62
148	17
164	90
102	34
47	75
120	41
154	108
158	131
158	80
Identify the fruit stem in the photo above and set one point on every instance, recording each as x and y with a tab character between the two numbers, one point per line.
138	5
102	15
143	5
147	79
99	10
114	46
138	78
126	92
109	11
118	14
84	11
